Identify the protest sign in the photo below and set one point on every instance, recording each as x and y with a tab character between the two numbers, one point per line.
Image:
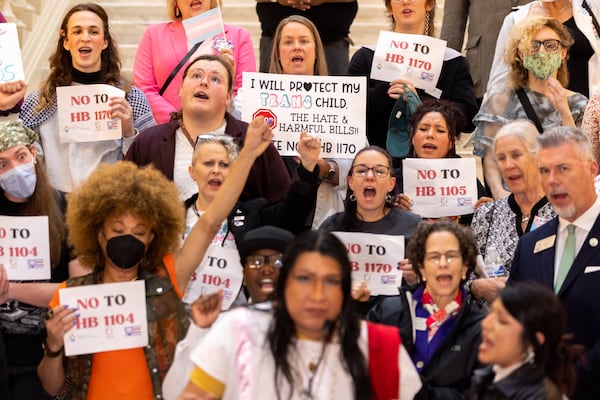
374	258
220	268
112	316
417	58
84	114
25	248
442	187
331	108
11	66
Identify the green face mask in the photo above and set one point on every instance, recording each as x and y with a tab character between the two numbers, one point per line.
542	64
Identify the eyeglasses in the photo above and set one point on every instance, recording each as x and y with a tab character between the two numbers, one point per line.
361	171
212	78
209	137
549	44
450	256
258	261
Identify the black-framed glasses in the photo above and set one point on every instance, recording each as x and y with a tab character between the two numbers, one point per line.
549	44
256	261
361	171
436	258
209	137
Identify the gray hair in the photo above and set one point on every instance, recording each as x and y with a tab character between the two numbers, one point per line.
224	140
560	135
522	129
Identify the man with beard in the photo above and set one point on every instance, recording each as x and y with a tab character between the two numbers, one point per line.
563	254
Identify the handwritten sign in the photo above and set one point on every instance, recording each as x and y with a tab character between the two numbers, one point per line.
25	248
11	66
374	258
84	114
442	187
416	58
112	316
220	268
332	108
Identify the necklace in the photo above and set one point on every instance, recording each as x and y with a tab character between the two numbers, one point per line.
186	133
312	373
524	219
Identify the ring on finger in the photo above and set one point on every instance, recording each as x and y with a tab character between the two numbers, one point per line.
49	314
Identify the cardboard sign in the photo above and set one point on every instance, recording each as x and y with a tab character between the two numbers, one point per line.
220	268
374	258
331	108
443	187
25	247
112	316
417	58
11	66
84	115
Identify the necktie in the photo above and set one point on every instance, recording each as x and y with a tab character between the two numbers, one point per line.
566	260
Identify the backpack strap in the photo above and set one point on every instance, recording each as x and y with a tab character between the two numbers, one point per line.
178	67
529	109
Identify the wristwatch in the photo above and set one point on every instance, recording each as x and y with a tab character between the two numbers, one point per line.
331	172
51	354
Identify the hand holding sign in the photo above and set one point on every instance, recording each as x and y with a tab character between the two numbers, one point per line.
59	321
11	93
119	108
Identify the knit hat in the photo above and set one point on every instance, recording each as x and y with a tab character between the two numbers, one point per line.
265	237
14	133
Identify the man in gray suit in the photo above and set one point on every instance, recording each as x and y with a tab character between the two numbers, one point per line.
485	20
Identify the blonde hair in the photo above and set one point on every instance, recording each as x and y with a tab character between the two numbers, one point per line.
172	8
429	28
521	36
320	67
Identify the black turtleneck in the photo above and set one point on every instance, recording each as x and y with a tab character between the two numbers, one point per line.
87	78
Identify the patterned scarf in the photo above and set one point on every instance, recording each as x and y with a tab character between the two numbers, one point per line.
438	316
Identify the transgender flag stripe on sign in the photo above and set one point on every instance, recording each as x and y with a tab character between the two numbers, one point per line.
203	26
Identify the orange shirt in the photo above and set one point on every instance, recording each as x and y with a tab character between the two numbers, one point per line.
122	374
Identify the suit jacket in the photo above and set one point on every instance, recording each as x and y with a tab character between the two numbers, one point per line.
580	293
485	19
268	178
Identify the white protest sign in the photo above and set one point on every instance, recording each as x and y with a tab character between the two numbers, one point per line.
417	58
220	268
332	108
112	316
374	258
84	114
442	187
25	247
11	66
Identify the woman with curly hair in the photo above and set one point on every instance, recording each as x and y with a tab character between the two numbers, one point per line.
537	55
310	345
86	53
125	223
439	328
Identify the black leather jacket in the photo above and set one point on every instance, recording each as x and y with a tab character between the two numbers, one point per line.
525	383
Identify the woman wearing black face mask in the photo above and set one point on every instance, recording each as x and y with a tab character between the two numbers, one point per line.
125	222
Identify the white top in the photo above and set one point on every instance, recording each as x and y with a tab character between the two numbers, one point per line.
68	164
236	353
330	198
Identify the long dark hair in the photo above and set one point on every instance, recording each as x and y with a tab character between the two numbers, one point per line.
350	207
538	309
282	332
61	62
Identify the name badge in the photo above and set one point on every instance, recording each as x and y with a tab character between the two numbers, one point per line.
420	324
544	244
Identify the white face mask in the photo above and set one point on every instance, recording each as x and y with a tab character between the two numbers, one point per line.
19	182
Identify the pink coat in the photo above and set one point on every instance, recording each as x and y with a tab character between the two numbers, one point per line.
161	49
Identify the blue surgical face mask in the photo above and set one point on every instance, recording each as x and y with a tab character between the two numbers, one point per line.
19	182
